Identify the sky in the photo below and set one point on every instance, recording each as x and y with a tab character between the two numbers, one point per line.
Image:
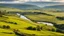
34	0
22	1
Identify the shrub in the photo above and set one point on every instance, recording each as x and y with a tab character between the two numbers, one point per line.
15	23
60	18
4	26
53	30
30	28
34	28
8	27
59	30
38	28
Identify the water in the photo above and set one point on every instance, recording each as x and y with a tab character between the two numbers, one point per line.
50	24
22	16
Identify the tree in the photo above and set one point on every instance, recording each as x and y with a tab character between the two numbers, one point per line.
30	28
4	26
8	27
34	28
38	28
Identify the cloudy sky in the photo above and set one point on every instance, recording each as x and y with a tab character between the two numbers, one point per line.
21	1
33	0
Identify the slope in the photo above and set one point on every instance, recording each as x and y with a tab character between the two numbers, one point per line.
20	24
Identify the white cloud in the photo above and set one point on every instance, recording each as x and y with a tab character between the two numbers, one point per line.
22	1
13	2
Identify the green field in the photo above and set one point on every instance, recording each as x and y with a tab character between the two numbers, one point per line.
22	25
41	17
16	23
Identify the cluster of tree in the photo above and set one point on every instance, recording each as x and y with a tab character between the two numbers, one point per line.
6	27
38	28
60	18
59	11
60	28
13	23
9	22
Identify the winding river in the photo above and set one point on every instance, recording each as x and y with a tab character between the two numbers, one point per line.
23	17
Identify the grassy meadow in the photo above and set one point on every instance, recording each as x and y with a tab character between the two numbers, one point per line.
18	26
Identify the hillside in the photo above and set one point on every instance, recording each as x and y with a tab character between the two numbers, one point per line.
12	25
15	26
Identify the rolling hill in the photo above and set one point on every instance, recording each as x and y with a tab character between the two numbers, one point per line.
15	23
21	25
21	6
44	4
60	7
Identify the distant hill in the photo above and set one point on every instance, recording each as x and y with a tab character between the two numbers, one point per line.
61	7
32	5
43	4
21	6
